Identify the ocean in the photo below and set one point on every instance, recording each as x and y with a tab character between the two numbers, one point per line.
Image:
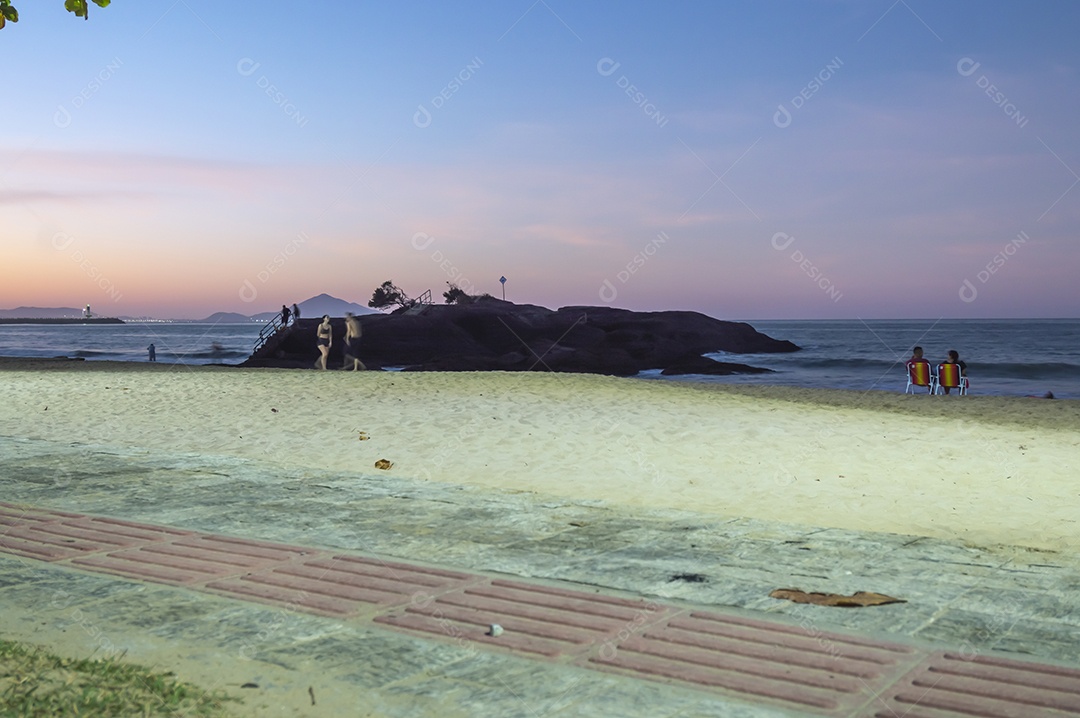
1013	357
1005	357
174	342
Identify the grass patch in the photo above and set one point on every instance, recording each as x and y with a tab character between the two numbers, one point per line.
34	682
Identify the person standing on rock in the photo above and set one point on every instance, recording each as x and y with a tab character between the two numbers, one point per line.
352	342
325	335
295	313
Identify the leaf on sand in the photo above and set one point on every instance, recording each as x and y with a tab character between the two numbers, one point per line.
855	600
383	464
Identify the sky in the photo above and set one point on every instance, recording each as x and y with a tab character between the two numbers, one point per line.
803	159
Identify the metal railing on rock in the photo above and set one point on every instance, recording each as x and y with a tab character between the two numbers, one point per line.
268	331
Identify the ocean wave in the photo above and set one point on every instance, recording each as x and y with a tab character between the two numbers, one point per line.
1026	370
796	361
212	354
91	354
1011	370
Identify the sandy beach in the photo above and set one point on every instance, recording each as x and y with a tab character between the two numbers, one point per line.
986	470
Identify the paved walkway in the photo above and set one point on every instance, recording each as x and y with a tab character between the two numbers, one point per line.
605	611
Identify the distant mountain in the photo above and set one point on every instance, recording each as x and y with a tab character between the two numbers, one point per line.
325	304
320	305
226	318
41	313
309	308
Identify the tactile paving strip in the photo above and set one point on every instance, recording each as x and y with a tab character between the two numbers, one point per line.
341	585
543	620
812	669
53	536
950	684
825	673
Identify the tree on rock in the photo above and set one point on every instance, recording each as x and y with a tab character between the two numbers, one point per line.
79	7
388	294
456	295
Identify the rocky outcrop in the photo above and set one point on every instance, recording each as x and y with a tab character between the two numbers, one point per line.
490	334
705	365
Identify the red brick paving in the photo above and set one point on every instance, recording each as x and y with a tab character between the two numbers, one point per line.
789	666
56	535
544	620
815	669
949	684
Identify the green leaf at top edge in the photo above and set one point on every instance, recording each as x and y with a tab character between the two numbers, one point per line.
76	6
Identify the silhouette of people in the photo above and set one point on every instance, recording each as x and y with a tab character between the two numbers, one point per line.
295	313
352	342
325	335
284	316
153	352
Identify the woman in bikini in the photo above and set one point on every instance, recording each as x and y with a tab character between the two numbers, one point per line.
325	335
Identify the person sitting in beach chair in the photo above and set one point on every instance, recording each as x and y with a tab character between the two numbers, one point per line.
952	375
918	373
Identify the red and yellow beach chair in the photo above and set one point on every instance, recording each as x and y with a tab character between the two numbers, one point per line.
919	376
948	377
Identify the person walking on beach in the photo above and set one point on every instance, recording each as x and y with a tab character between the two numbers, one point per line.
295	313
352	342
153	352
954	358
325	335
284	316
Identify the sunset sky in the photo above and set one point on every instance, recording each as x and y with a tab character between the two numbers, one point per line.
767	159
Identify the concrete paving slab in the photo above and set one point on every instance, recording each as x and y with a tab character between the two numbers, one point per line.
977	599
794	667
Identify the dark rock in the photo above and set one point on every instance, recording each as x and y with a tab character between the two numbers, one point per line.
492	335
705	365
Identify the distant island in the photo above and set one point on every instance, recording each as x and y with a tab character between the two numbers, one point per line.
53	315
316	306
60	320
